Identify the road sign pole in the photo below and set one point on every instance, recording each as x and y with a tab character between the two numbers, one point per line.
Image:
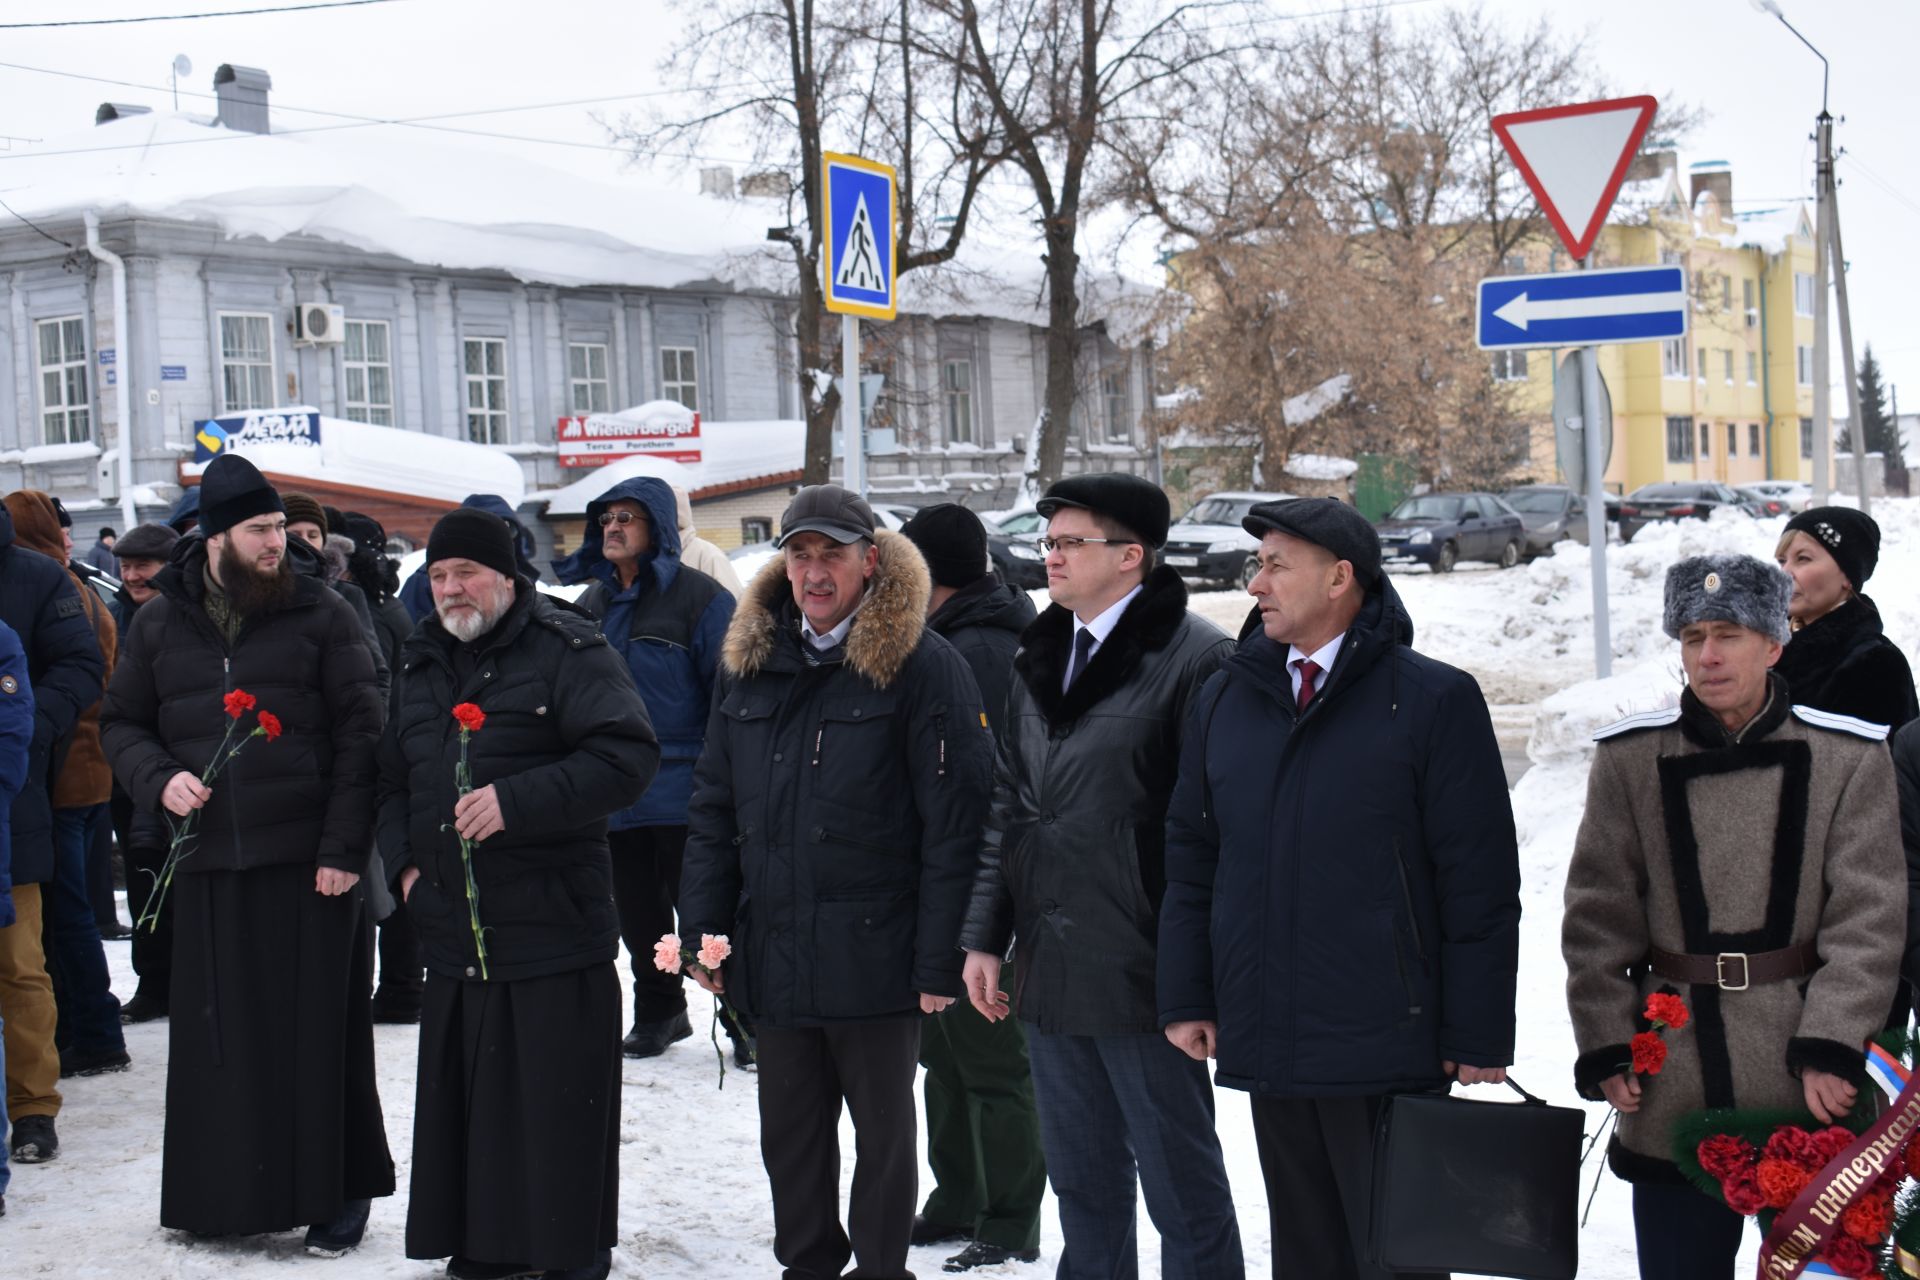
1593	425
853	439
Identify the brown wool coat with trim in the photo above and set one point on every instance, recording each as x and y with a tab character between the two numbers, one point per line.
1696	843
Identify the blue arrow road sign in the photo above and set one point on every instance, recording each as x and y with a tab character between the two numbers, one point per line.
1579	308
859	246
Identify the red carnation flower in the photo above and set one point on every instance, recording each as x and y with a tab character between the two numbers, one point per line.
1742	1193
1795	1145
1781	1181
1831	1141
1723	1154
270	725
1869	1221
239	702
470	717
1649	1053
1668	1009
1849	1257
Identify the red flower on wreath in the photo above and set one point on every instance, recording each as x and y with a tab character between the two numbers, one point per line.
270	725
1849	1257
1742	1193
1666	1010
239	702
1781	1181
1649	1053
1870	1220
470	717
1795	1145
1724	1153
1912	1160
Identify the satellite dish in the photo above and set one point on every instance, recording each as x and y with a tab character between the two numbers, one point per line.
182	65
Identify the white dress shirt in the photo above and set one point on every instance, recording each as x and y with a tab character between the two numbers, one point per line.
838	635
1102	627
1323	657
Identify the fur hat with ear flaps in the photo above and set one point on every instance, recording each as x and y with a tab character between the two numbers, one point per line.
1747	592
884	634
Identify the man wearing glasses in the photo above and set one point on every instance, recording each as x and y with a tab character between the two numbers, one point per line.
668	619
1072	870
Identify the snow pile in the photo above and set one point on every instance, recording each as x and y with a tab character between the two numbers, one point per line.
1320	466
1308	405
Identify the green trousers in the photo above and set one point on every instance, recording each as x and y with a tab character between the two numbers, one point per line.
983	1136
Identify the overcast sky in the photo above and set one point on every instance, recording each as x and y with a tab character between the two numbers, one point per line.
1759	87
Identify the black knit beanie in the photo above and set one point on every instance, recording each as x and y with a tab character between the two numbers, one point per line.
466	533
952	541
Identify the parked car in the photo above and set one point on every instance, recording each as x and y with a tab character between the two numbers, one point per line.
1013	543
1758	502
1550	512
1208	544
1797	495
1441	529
1673	500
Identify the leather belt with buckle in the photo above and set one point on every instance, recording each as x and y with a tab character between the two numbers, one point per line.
1737	970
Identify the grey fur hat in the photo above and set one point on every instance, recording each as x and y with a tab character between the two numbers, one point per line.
1727	588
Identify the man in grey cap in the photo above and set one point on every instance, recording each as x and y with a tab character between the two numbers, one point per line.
1743	854
836	809
1342	909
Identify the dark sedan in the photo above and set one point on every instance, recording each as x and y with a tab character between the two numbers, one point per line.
1441	529
1550	512
1013	542
1674	500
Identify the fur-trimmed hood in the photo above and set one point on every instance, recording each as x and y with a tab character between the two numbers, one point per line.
885	631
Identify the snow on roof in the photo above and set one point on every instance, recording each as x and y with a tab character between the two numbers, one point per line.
1772	229
388	459
731	453
431	201
1308	405
1320	466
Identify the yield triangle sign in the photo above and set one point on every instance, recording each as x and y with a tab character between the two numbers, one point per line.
1575	158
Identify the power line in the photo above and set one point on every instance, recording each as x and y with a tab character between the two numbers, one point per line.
186	17
37	227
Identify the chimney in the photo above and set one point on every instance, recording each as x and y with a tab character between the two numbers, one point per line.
111	111
1658	160
1715	176
243	97
768	184
717	181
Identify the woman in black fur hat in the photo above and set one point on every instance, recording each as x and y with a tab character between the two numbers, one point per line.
1840	659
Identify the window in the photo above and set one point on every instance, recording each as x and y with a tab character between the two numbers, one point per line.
587	388
1700	365
679	376
956	398
1733	441
66	414
1671	258
756	529
1753	369
1803	294
1726	365
1679	439
1514	264
486	374
1509	366
1746	302
1726	292
1803	366
1706	440
1673	358
246	362
1806	437
1753	439
1113	395
367	352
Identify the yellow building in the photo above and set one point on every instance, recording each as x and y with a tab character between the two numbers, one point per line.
1733	400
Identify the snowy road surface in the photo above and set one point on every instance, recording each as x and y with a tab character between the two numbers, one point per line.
693	1196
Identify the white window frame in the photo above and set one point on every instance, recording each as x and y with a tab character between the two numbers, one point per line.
1510	366
1733	441
1753	369
683	386
1706	439
956	400
245	361
1806	437
1746	301
1680	428
1114	396
365	407
1673	359
66	417
588	392
489	422
1700	366
1803	365
1753	440
1803	291
1726	365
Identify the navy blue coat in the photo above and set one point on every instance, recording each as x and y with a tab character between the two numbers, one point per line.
416	593
669	625
41	602
16	748
1342	885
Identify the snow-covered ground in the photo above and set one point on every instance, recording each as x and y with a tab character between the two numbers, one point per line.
693	1196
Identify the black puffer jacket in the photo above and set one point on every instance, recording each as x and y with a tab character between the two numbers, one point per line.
566	742
307	797
983	621
41	602
1072	862
1844	663
1906	771
837	805
1342	886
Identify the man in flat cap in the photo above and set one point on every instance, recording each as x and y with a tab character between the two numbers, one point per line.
835	812
1744	854
516	1125
1072	871
273	1117
1343	910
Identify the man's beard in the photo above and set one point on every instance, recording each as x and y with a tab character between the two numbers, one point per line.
250	592
487	609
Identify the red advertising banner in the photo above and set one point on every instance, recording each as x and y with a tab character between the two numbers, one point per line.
597	438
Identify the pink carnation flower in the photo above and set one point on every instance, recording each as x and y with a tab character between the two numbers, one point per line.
714	949
666	954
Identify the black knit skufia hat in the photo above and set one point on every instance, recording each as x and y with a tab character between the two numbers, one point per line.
467	533
232	490
952	541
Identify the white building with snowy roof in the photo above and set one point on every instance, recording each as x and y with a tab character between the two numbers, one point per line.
393	278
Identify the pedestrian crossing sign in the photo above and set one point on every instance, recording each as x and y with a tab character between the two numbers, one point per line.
860	215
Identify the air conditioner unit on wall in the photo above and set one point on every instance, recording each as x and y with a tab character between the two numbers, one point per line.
318	322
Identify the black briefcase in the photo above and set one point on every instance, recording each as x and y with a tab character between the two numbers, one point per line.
1488	1188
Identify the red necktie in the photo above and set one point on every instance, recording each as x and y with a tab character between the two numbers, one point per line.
1309	672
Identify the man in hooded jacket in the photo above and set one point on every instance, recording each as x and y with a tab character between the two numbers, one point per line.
668	620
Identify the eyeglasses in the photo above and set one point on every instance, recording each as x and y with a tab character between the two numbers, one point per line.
617	517
1067	545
